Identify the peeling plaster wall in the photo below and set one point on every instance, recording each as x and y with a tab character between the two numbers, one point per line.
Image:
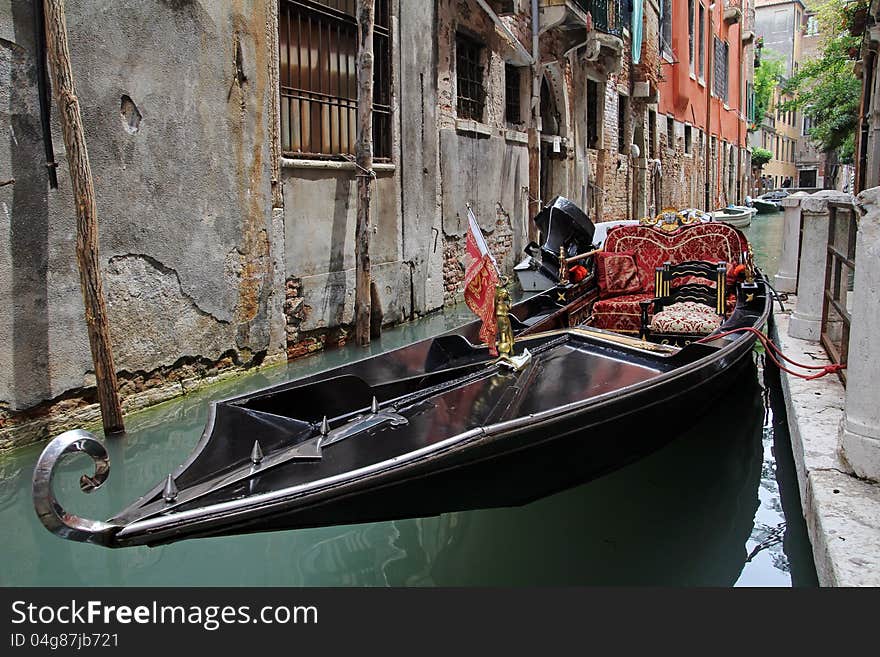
320	217
488	168
177	105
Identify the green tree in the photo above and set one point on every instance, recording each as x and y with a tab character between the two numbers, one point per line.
768	76
760	157
825	88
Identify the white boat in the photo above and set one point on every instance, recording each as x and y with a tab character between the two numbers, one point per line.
738	216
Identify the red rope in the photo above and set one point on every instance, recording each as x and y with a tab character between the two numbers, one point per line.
773	351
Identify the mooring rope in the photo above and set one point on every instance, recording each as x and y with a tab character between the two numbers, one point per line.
773	351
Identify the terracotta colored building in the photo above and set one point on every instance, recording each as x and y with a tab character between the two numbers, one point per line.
705	98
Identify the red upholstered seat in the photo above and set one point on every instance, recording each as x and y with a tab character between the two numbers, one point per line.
622	314
708	242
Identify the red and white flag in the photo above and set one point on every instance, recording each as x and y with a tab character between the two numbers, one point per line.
480	279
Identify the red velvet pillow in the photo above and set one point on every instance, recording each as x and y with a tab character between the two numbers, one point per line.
618	273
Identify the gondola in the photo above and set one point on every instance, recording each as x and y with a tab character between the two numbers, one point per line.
765	206
436	426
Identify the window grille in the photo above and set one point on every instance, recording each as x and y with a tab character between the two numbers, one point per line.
512	91
318	78
720	86
594	114
469	78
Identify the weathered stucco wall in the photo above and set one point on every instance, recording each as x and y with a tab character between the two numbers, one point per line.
177	108
320	217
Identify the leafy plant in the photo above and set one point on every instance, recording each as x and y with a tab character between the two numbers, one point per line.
826	89
760	157
768	76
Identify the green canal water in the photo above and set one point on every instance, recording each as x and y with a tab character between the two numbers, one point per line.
716	507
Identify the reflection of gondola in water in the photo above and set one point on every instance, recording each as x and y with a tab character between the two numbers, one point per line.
692	504
399	553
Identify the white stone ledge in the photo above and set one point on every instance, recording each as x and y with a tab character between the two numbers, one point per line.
332	165
473	127
842	512
516	136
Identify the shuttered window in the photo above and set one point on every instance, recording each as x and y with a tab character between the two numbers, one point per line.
318	77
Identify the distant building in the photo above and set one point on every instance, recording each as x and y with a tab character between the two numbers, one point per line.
700	132
780	25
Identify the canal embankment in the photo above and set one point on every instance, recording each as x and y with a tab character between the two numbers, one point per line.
842	511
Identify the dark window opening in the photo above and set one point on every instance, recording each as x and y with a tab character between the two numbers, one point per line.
469	78
593	114
622	103
550	121
688	140
318	78
652	134
670	133
807	178
512	90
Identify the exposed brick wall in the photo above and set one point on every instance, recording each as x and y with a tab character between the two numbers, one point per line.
455	259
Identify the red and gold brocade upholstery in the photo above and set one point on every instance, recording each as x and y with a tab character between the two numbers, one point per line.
622	314
708	242
618	273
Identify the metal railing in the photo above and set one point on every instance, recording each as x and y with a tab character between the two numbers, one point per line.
840	267
609	16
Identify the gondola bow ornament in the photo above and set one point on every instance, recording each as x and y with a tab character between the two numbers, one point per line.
480	280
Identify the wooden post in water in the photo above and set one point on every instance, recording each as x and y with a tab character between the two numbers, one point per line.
364	166
86	214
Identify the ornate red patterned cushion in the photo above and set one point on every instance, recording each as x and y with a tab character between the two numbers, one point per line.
618	274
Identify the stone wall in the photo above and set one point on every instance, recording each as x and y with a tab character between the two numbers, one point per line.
178	110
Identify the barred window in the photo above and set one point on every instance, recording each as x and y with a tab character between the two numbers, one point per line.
594	114
512	90
701	50
691	36
469	78
720	86
666	27
318	77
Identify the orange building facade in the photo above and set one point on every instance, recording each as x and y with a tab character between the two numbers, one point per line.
705	96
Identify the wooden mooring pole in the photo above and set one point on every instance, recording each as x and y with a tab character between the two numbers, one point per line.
86	215
364	166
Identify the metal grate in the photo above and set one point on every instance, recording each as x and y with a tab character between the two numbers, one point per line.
469	78
512	90
608	15
318	70
721	72
840	267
